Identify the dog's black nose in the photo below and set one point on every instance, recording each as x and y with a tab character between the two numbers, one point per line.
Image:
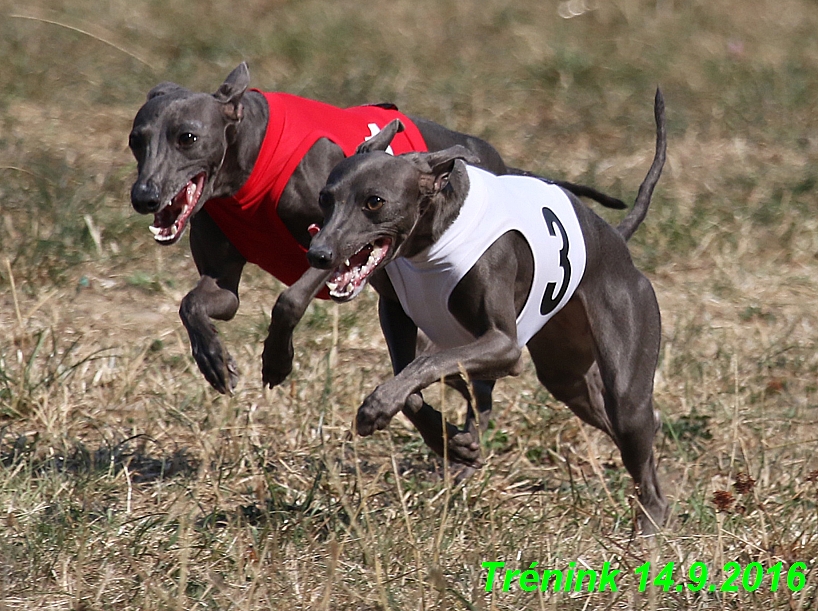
320	256
145	197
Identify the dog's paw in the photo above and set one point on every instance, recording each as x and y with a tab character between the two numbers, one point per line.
652	514
376	412
216	364
461	446
276	363
464	448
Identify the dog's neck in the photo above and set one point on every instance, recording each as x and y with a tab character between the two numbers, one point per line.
243	146
438	213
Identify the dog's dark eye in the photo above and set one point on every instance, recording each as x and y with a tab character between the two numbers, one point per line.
187	139
134	142
324	200
373	203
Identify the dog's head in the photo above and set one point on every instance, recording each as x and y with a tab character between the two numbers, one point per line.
179	139
373	203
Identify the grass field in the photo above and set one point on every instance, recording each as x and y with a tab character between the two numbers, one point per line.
127	483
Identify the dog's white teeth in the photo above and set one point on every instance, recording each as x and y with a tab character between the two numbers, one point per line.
164	234
191	192
346	262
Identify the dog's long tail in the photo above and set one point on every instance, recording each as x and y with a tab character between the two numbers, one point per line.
576	189
591	193
637	214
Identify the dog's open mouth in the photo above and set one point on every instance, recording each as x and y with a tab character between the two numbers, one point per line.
350	277
170	222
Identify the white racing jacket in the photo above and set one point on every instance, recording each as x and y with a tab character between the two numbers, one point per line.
495	205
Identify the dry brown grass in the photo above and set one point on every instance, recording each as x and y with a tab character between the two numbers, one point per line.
126	483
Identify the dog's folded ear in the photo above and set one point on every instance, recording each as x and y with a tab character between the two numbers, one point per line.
436	167
165	89
232	90
381	140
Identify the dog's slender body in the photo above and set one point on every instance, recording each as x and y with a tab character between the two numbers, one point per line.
194	148
597	354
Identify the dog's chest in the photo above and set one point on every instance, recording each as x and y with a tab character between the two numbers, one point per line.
540	212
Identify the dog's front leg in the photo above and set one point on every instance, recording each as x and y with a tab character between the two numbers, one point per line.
463	446
277	358
494	355
216	296
208	300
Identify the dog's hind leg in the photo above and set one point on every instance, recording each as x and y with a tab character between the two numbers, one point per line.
477	394
627	332
565	357
464	443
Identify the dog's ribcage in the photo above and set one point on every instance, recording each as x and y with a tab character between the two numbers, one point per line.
495	205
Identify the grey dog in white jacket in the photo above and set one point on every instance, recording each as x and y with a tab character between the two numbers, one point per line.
596	344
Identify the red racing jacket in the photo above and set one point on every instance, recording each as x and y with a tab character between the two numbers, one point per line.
250	218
